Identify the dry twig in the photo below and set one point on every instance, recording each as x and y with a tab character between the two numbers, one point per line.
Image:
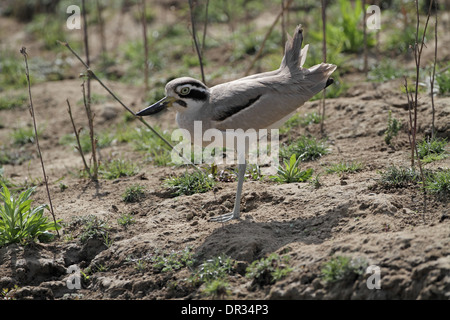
23	51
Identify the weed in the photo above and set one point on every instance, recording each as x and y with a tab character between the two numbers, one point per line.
104	139
443	80
153	147
340	268
345	32
133	193
268	270
117	168
47	28
439	183
19	222
125	220
140	265
345	167
217	289
173	261
300	120
92	227
13	101
432	149
11	71
189	183
22	136
398	177
291	172
253	172
213	269
384	71
305	149
393	127
401	40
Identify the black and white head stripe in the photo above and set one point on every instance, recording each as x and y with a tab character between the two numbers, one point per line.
192	90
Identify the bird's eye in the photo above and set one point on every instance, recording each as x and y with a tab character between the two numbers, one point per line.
185	90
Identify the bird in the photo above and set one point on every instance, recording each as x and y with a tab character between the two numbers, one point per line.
260	101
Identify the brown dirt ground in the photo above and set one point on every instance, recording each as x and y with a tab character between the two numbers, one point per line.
346	215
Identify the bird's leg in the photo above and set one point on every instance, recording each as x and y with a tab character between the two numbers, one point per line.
237	203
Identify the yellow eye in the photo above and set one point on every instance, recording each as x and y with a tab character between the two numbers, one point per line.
185	90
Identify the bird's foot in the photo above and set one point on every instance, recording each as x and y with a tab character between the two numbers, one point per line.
225	217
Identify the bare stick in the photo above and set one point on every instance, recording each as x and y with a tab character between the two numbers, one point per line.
77	136
324	53
417	55
144	34
23	51
194	36
205	27
414	148
258	54
365	36
434	71
90	116
94	76
87	96
101	24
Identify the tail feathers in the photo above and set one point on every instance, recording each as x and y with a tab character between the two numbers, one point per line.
318	76
293	55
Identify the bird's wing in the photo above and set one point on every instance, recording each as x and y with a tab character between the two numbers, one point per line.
260	102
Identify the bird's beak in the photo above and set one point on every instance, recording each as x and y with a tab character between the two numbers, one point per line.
157	107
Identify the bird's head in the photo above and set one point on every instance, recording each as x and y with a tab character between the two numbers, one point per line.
181	94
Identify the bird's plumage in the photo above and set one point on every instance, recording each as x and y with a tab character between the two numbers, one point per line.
260	101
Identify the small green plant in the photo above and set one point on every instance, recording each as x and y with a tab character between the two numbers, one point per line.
217	289
384	71
140	265
340	268
345	167
22	136
300	120
126	220
173	261
153	147
399	177
213	269
439	183
92	227
189	183
393	127
117	168
253	172
443	81
8	293
104	139
268	270
432	149
19	222
305	148
13	101
133	193
291	172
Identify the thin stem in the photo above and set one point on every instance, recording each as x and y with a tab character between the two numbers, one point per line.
144	34
434	71
23	51
194	36
77	136
324	54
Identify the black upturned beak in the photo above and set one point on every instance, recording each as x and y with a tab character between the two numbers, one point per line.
156	107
